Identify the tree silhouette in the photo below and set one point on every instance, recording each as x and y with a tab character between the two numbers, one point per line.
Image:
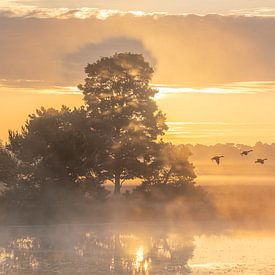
8	166
121	107
170	171
174	165
57	146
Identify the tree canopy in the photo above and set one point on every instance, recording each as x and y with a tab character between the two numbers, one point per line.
122	108
8	165
57	145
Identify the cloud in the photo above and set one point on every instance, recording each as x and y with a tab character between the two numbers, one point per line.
176	6
260	12
247	88
29	11
89	53
209	132
187	50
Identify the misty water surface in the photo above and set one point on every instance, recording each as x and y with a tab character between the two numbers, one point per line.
156	248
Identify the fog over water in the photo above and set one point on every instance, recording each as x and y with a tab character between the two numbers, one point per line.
243	241
134	248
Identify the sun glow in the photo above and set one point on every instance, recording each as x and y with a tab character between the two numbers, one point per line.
248	88
141	263
191	111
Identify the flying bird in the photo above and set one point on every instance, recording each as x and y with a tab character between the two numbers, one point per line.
217	159
261	161
245	153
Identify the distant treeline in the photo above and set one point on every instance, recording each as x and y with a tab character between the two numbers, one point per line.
233	163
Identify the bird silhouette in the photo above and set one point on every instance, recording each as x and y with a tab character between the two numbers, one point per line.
245	153
217	159
261	161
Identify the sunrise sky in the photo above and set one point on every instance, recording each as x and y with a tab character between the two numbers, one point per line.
214	60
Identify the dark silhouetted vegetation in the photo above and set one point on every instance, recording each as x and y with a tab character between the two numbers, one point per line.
57	167
8	166
122	109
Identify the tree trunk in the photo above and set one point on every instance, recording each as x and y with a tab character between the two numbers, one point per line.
117	184
168	175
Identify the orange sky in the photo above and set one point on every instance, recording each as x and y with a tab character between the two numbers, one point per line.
215	72
193	117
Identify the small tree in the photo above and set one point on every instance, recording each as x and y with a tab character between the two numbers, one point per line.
172	167
169	190
121	107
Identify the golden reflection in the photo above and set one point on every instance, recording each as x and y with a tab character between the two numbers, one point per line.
138	251
139	255
135	251
141	263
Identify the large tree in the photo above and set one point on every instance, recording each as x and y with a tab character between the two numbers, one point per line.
122	108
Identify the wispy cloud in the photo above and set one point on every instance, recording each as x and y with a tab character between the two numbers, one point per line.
210	132
30	11
259	12
16	9
32	86
165	90
248	88
224	7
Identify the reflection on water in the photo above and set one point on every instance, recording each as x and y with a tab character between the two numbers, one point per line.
94	250
131	249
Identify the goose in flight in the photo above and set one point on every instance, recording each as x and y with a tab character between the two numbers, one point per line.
217	159
245	153
261	161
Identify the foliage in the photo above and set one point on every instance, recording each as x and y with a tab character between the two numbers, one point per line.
169	191
171	165
58	163
57	145
122	108
8	165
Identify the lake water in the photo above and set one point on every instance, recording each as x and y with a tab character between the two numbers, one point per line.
156	248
